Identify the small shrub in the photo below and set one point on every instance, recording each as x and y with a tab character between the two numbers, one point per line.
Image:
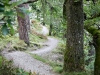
6	67
58	69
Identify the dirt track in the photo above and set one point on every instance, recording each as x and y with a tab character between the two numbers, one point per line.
25	61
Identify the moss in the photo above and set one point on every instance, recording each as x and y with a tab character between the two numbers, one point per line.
77	73
1	60
96	42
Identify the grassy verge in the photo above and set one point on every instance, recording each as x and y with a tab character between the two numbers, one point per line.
6	68
56	67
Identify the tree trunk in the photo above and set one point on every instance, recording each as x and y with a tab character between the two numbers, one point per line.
26	6
50	31
96	42
96	39
51	25
74	54
23	23
44	11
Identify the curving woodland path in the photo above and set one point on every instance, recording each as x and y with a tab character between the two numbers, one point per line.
25	61
51	44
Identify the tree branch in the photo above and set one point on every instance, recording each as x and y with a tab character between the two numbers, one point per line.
94	16
2	18
30	1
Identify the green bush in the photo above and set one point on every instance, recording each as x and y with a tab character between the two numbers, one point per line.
58	69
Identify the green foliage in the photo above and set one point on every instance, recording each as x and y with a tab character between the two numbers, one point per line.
77	73
51	16
1	7
11	43
6	68
14	4
38	57
7	9
92	11
5	30
61	47
0	60
88	48
21	72
58	69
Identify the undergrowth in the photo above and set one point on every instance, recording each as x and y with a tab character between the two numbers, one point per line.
12	42
60	47
6	68
77	73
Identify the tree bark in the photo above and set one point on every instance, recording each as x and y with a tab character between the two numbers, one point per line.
51	25
96	42
74	54
44	11
23	24
26	6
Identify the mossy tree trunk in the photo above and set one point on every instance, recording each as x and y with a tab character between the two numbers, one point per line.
44	11
23	24
74	54
26	6
51	25
96	42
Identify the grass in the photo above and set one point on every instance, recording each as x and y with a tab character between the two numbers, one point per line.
61	47
38	57
56	67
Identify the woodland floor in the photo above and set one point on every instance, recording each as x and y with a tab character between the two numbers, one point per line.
25	61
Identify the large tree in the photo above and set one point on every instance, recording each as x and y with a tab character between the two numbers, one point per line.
74	54
23	20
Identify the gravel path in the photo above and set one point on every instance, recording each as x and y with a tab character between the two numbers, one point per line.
25	61
51	44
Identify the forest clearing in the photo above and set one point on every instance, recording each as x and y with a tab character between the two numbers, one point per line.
50	37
